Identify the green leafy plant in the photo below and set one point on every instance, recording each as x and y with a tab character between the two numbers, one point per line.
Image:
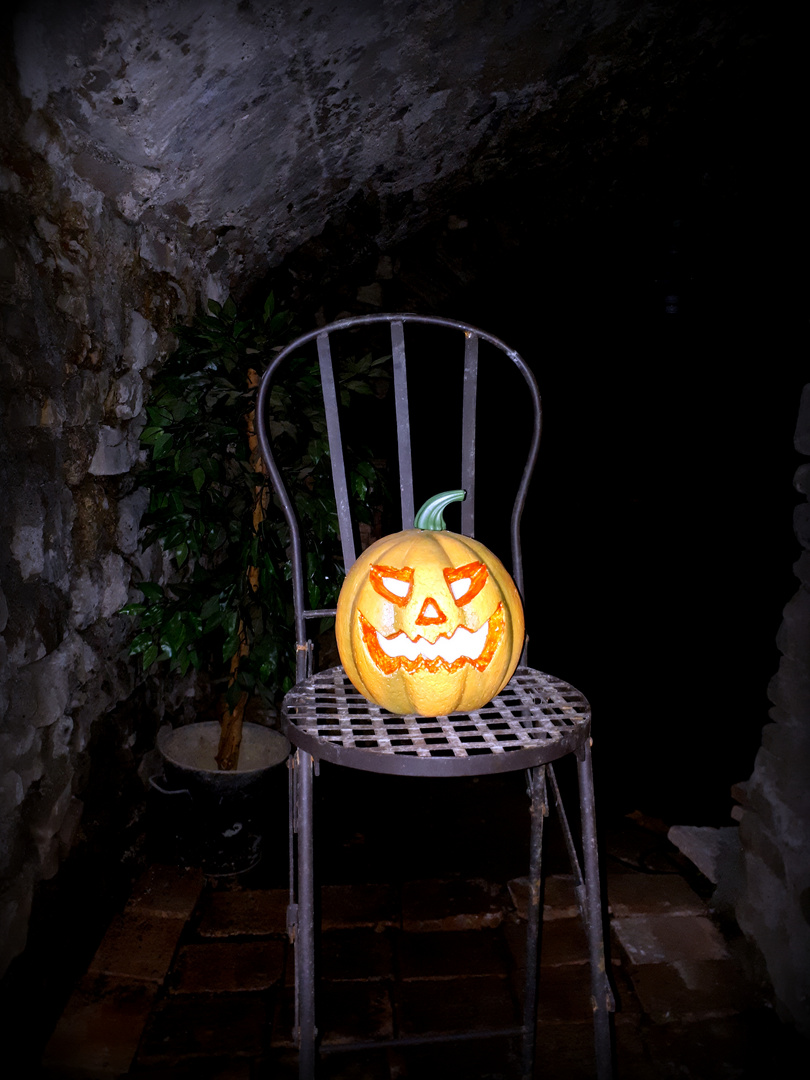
228	605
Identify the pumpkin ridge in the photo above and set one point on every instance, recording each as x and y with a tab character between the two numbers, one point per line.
415	541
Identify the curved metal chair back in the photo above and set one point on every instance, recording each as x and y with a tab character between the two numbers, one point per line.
471	337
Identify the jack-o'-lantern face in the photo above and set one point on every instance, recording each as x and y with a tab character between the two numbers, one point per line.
452	644
429	622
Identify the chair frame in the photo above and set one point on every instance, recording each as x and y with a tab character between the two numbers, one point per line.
536	759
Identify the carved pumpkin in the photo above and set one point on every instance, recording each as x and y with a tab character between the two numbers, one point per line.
428	621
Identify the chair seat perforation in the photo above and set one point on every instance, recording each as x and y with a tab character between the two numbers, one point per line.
536	712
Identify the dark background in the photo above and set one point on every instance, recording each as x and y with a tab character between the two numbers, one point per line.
653	293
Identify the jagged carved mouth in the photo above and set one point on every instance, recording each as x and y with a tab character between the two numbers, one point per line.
474	648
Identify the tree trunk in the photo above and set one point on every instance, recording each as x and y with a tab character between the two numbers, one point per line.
230	739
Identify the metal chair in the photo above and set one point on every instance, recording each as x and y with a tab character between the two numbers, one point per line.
534	721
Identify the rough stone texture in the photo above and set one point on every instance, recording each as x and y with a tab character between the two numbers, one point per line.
86	314
664	939
715	852
761	869
773	905
235	136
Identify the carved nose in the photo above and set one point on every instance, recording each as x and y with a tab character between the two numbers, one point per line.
431	614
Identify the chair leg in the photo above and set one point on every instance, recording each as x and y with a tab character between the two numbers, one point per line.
539	810
601	994
305	928
292	903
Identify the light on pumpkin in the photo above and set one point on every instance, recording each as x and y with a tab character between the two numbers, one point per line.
429	621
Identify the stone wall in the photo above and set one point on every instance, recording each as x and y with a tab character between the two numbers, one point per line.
87	312
760	866
773	901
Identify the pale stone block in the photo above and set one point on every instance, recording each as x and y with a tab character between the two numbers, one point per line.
128	392
708	848
665	939
130	511
28	548
141	347
113	455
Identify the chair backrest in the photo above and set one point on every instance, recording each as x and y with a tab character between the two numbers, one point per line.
471	337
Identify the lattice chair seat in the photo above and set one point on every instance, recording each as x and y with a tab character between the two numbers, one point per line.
534	714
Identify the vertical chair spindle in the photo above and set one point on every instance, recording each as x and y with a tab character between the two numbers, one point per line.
336	451
403	424
468	432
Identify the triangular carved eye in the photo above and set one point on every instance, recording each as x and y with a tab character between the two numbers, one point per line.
466	582
460	587
394	583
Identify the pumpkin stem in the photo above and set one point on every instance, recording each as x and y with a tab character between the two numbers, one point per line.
430	514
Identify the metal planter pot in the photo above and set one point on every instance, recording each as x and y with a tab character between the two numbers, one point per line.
214	819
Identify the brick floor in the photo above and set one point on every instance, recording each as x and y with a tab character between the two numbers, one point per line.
194	979
206	1026
692	990
562	943
347	1012
442	1005
227	967
355	1012
563	995
631	894
495	1059
138	946
565	1052
346	1065
747	1046
633	1060
196	1069
243	912
357	954
168	891
99	1031
347	906
447	954
662	939
451	905
559	897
